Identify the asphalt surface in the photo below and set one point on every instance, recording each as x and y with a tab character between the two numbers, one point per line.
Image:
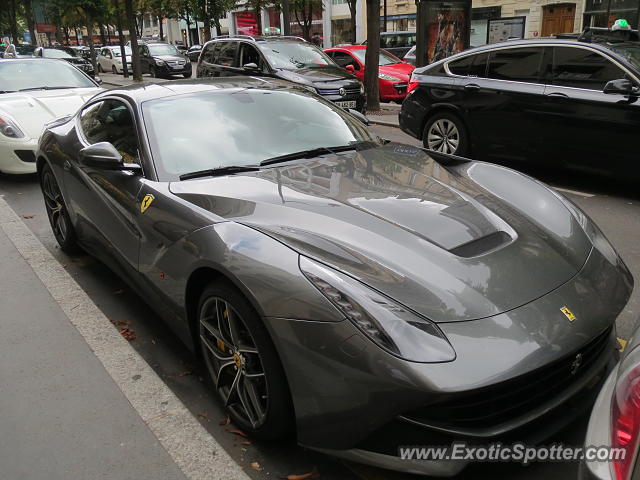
615	207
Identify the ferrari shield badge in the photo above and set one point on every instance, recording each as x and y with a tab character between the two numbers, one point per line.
568	313
146	203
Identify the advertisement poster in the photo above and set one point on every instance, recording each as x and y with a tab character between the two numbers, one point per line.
448	28
503	29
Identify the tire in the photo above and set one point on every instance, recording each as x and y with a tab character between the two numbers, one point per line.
56	209
114	70
99	68
187	75
238	352
446	133
153	72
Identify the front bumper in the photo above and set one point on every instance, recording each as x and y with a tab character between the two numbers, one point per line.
18	157
354	400
168	70
393	91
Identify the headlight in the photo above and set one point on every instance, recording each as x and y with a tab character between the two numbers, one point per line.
390	78
393	327
361	88
159	62
8	128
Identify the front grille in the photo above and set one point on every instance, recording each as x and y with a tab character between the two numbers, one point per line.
174	63
26	155
336	91
491	406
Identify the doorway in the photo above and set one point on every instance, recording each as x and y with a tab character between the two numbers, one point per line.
558	18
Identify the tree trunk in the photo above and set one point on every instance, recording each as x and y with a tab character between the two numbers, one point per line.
372	56
92	49
188	22
31	23
352	19
258	13
75	29
123	55
135	54
13	22
161	29
206	19
66	35
103	35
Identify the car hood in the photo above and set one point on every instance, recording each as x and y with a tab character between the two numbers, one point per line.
171	58
75	60
312	75
453	244
400	70
31	110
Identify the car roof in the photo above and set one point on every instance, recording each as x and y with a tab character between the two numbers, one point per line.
349	47
259	39
152	91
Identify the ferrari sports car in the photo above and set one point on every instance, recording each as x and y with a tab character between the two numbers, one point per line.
363	293
32	93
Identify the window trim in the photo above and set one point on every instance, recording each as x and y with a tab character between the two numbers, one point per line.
632	75
85	142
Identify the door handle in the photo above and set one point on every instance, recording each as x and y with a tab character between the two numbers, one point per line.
557	95
66	165
472	87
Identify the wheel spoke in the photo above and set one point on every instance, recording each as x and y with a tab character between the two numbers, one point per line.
221	308
222	368
247	404
215	351
233	389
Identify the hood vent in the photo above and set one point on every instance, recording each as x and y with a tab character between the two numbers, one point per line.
482	245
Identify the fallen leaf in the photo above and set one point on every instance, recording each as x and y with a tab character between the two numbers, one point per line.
256	466
118	292
246	442
28	217
127	333
204	415
312	474
119	323
153	341
225	421
185	373
236	432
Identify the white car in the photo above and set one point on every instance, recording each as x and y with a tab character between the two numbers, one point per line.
110	59
34	92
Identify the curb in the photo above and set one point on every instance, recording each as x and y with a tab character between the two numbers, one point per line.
192	448
382	122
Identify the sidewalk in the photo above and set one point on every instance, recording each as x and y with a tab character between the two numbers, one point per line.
75	400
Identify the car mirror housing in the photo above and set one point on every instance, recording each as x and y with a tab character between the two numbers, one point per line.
359	116
103	155
621	86
250	67
350	68
98	80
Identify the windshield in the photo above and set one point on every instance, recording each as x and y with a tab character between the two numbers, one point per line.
294	55
245	127
20	75
25	49
630	52
55	53
116	51
385	57
162	49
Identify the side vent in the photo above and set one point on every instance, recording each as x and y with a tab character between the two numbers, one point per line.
481	245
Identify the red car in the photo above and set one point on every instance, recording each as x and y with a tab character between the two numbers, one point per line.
393	75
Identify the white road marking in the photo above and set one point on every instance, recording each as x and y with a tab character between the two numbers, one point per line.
574	192
193	449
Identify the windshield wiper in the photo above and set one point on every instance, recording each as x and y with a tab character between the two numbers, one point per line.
216	172
313	152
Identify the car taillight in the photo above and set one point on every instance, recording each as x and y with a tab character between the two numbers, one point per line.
625	419
413	84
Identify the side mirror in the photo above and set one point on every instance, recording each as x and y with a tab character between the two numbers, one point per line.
98	80
350	68
250	67
359	116
621	86
104	155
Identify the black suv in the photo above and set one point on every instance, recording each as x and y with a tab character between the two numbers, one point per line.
572	103
288	58
162	59
67	54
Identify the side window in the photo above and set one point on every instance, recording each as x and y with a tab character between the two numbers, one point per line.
516	64
582	68
343	59
478	67
210	52
461	67
251	55
111	121
227	55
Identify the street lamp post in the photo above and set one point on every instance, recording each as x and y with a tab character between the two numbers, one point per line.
422	33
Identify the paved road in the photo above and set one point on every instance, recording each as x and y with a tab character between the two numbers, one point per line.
615	209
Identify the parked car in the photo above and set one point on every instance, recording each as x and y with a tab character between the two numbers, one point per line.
19	51
68	55
82	51
393	76
397	43
548	102
288	58
615	420
410	56
367	294
194	52
110	59
163	60
32	93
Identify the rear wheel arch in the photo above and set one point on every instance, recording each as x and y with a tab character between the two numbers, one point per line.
455	112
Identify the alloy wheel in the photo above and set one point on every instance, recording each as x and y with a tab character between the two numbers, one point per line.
443	136
54	205
233	361
114	70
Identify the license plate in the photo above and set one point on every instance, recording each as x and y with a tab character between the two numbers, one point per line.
347	104
177	67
